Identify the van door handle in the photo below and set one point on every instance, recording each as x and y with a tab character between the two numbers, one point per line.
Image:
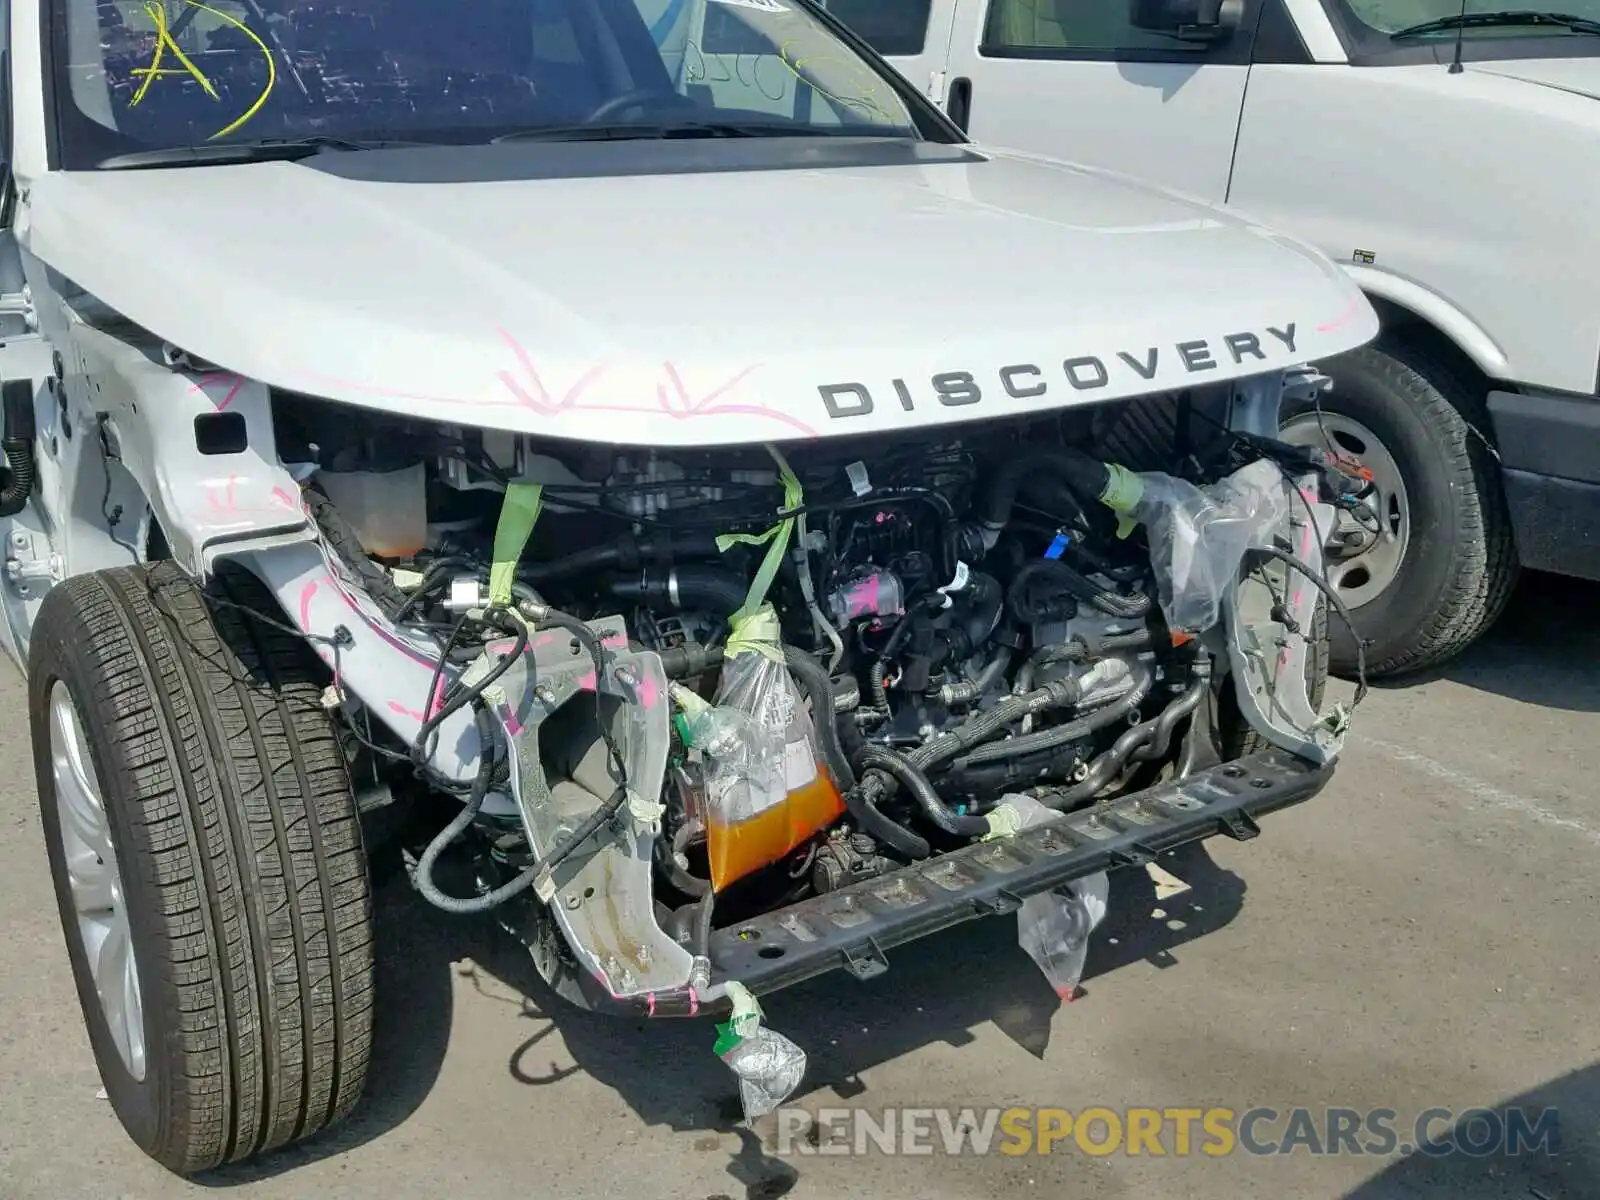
959	106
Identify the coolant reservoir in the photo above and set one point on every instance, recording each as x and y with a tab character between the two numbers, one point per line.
387	509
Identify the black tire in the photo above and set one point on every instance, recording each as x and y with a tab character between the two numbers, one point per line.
1460	565
237	838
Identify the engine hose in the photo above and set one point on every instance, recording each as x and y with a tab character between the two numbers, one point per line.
687	587
627	553
690	659
877	681
1071	731
702	926
1086	476
891	833
968	690
1075	584
423	877
1167	723
1106	767
881	758
813	678
667	859
980	727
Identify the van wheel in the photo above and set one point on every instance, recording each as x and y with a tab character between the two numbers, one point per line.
1429	563
206	851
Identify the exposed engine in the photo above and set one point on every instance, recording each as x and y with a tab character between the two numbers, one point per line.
958	612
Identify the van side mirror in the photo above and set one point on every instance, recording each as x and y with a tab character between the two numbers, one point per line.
1190	20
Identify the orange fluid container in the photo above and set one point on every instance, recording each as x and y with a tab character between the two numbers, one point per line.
738	848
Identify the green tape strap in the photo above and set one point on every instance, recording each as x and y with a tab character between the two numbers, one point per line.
776	539
1122	494
759	632
518	512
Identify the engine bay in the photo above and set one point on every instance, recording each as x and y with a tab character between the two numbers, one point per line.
807	668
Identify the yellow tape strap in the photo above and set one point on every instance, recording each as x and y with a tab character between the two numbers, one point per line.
776	539
518	512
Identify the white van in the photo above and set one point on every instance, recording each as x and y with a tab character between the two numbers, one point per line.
1449	157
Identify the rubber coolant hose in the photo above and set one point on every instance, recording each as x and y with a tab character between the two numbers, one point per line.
1101	772
1085	475
813	678
881	758
1076	585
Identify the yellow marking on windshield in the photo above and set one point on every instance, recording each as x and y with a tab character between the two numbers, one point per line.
165	41
867	100
266	52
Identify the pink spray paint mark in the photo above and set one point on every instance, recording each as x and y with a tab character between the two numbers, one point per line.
513	725
648	692
306	593
283	499
615	641
1342	319
199	385
437	702
396	707
543	639
587	683
862	599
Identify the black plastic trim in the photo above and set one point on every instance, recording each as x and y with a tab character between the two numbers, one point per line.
854	928
1556	523
1278	40
1548	433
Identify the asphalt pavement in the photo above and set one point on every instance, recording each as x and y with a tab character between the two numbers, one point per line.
1424	935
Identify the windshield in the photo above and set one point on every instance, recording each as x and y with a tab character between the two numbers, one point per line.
1390	16
140	74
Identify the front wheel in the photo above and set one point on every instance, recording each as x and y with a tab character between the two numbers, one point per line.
206	852
1427	563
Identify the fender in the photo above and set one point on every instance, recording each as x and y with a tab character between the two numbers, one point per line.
1470	338
200	446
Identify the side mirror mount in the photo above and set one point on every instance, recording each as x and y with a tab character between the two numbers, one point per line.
1188	20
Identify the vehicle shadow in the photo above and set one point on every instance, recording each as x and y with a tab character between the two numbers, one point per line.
1542	650
936	991
1568	1169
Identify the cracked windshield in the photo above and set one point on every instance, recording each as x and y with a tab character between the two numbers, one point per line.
166	73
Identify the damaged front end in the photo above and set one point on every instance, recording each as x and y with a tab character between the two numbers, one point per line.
721	720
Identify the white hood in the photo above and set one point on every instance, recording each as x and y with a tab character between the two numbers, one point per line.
699	308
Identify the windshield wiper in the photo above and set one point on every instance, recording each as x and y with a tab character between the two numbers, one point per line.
1508	18
259	150
636	130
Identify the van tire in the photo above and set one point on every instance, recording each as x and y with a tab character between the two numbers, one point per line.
227	805
1460	563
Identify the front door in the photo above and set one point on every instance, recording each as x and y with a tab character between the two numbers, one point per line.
1076	80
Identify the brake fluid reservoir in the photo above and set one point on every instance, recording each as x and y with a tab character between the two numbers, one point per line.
768	795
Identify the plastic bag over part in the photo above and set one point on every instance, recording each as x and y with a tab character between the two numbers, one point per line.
766	798
1053	927
769	1065
1199	535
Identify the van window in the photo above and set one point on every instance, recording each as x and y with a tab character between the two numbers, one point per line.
888	26
1043	28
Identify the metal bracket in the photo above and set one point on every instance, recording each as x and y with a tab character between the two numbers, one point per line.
999	904
1240	826
865	961
1133	855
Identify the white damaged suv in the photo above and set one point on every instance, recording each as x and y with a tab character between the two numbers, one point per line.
741	526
